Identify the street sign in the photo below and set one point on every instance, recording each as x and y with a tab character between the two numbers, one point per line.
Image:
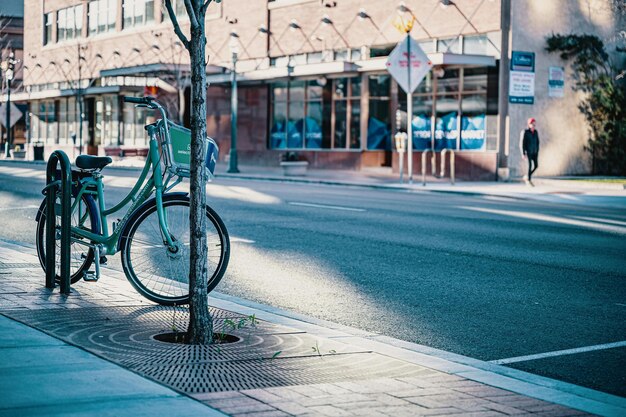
15	114
404	67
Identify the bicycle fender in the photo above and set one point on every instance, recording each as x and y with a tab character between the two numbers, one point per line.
138	210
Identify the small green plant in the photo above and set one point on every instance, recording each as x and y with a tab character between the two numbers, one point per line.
316	349
230	325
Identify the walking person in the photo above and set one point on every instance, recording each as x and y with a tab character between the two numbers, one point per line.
529	147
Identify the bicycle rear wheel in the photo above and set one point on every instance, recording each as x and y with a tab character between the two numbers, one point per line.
156	272
81	257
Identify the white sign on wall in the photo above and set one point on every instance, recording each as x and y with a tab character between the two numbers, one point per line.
522	86
556	81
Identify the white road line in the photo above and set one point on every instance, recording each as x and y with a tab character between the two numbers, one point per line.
499	198
559	353
240	240
17	208
553	219
326	207
608	221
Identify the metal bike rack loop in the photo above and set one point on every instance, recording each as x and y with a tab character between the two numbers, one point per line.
432	164
442	173
53	182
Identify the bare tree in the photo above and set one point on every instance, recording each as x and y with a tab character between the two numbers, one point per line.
200	330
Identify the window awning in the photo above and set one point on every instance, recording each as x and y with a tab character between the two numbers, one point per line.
437	58
156	69
322	68
342	67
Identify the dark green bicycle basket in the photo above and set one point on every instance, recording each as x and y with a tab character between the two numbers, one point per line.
179	149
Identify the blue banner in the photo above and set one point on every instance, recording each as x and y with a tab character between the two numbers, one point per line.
378	135
312	132
421	131
446	131
473	132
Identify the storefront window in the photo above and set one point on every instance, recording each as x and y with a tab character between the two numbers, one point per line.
346	107
134	120
379	122
51	122
106	131
63	121
297	115
462	119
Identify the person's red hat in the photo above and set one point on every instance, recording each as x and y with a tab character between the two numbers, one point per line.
531	120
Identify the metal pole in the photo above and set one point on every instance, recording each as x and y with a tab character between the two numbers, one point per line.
79	96
232	167
409	114
8	123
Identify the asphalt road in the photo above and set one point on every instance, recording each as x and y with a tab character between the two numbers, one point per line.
490	278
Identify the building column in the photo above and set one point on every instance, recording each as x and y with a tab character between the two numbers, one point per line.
503	95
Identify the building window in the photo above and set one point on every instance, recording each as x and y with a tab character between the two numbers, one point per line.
102	16
379	122
464	107
44	122
298	115
134	122
106	131
138	12
346	108
69	23
179	10
47	21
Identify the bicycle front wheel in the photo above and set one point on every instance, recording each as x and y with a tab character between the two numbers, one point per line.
158	273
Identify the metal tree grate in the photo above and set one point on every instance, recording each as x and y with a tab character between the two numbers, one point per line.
266	355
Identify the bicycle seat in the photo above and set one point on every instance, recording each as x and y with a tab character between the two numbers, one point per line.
92	162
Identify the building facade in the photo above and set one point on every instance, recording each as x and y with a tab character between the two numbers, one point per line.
312	78
11	50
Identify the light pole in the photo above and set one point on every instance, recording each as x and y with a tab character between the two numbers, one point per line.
234	49
8	66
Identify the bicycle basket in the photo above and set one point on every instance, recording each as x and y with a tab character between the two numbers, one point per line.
177	150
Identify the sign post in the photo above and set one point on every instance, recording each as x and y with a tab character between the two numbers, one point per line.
408	65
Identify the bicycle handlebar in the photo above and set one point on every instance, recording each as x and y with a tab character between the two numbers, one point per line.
139	100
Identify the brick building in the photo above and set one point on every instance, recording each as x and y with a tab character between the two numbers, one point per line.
11	42
312	78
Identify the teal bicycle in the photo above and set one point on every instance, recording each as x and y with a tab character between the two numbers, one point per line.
153	235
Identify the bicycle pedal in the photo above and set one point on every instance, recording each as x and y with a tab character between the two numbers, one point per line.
90	276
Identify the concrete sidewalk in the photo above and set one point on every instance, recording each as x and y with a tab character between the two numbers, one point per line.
285	364
563	190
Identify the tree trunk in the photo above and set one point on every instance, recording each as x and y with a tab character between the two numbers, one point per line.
200	329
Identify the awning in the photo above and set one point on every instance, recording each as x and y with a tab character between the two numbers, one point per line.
342	67
438	58
322	68
156	69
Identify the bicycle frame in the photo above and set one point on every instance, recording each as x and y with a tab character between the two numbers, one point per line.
105	243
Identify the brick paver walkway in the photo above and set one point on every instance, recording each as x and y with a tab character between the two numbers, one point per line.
430	393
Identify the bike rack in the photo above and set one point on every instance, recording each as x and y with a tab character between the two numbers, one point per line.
442	173
432	164
52	184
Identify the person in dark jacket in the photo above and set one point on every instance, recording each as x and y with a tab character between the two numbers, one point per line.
529	147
